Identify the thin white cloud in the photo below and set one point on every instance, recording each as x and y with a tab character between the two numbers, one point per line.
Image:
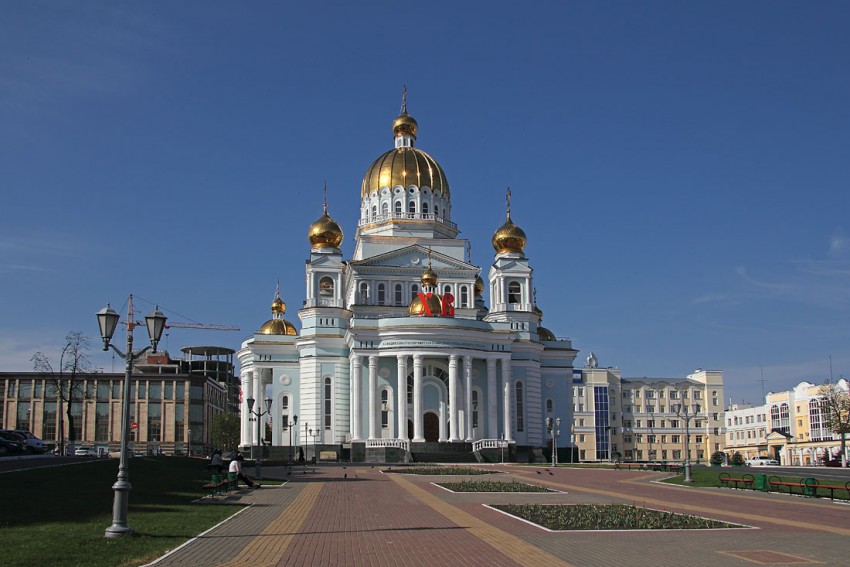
742	271
838	244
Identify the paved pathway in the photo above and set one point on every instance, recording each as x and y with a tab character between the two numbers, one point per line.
359	516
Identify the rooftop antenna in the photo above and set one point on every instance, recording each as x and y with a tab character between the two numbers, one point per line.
761	368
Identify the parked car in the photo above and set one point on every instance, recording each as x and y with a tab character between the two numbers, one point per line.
762	462
10	443
34	444
85	451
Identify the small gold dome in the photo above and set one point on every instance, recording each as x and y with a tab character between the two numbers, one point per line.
433	302
479	285
405	124
429	278
325	232
545	334
509	238
278	306
277	327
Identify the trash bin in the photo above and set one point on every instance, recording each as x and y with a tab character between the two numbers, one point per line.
761	483
811	486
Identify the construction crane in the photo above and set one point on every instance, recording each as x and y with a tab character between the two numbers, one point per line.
201	326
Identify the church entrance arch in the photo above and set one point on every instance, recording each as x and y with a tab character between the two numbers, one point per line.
431	425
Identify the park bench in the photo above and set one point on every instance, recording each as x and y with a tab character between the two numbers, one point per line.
833	487
807	486
629	466
727	480
217	485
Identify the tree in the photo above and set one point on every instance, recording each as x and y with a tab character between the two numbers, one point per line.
66	379
225	431
835	404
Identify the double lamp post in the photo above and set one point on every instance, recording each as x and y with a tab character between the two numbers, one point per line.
259	413
553	426
687	412
107	319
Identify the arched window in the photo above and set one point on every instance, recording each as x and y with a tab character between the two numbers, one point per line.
520	426
414	289
514	293
424	208
382	294
364	293
385	410
411	207
328	404
410	389
549	406
385	209
447	289
474	409
284	412
464	296
398	207
398	297
326	287
374	212
436	210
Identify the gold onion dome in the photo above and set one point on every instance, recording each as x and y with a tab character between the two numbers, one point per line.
405	165
325	232
405	124
277	325
429	278
417	308
479	285
545	334
509	238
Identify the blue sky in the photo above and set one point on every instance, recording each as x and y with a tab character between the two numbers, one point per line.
680	168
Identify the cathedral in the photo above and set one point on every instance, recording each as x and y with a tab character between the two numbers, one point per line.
401	356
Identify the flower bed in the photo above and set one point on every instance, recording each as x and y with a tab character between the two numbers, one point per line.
491	486
429	470
607	517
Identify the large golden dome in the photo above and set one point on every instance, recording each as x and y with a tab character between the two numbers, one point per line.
433	301
509	238
325	232
405	166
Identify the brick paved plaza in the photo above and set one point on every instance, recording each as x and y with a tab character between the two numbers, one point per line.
371	518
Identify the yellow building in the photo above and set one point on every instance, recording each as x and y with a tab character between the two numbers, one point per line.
646	419
790	427
173	403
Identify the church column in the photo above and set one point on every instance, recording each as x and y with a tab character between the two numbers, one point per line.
443	436
245	437
418	430
453	414
506	399
356	381
467	374
373	397
492	404
401	396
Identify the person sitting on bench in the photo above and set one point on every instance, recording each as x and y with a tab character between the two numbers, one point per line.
236	467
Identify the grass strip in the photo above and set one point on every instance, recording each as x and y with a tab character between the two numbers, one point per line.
492	486
57	516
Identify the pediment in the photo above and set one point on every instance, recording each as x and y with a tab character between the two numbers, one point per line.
413	257
326	261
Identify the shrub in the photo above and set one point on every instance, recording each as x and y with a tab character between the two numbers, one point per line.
717	458
737	459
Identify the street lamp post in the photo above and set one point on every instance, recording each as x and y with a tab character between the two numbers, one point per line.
687	412
258	415
289	425
553	427
315	436
107	320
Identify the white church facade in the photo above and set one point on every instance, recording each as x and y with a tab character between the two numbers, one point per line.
399	355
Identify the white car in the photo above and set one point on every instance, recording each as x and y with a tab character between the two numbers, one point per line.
762	462
85	452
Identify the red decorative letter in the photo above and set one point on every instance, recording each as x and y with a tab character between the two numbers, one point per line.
423	298
448	308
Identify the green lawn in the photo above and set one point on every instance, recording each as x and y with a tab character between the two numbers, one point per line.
57	516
